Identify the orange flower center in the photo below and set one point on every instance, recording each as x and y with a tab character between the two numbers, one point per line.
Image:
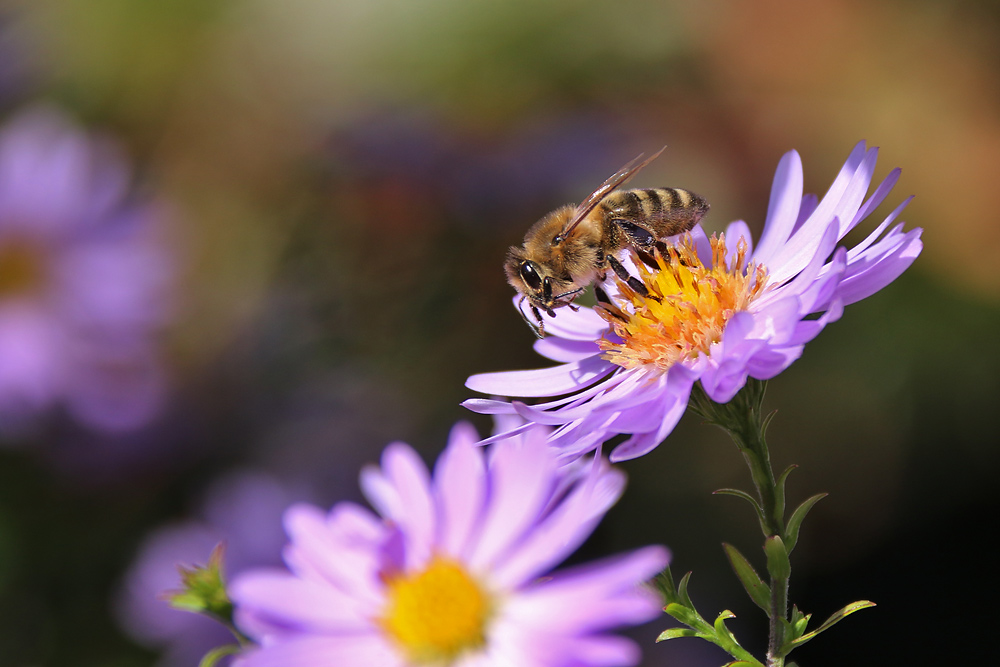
437	614
687	307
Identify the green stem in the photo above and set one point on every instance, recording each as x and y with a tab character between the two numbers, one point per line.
743	420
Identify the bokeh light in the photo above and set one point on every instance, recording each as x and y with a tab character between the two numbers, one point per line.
288	222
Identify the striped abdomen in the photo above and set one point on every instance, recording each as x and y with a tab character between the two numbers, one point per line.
662	212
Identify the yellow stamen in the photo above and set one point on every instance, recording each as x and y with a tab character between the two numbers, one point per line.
687	307
437	614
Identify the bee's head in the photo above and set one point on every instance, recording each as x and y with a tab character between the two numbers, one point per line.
531	280
536	284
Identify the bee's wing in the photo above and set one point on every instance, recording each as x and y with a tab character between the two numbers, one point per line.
620	177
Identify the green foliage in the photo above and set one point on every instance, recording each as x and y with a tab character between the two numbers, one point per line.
758	591
204	589
204	592
795	522
216	654
778	565
742	419
680	606
795	630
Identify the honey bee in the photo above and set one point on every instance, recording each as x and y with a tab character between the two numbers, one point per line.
569	248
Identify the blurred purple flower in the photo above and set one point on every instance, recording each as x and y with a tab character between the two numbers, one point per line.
718	314
83	280
449	574
243	510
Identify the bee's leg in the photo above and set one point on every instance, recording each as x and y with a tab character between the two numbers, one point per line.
537	329
604	303
633	282
648	259
641	240
639	237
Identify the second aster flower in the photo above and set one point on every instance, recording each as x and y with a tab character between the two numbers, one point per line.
455	571
719	311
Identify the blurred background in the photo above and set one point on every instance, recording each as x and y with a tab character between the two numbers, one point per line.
246	243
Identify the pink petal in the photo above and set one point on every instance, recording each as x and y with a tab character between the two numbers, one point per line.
371	649
274	597
564	350
407	473
460	490
521	479
565	529
543	381
783	209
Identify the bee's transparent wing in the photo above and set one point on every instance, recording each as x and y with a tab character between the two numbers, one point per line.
620	177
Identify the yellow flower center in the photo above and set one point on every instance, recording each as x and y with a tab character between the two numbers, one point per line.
687	307
437	614
21	269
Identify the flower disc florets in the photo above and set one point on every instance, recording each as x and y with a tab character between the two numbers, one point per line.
719	311
438	613
686	307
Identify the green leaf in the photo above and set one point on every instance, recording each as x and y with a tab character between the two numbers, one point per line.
758	591
795	522
684	614
797	623
216	654
723	636
750	499
779	491
766	422
675	633
827	624
778	565
664	582
725	640
682	591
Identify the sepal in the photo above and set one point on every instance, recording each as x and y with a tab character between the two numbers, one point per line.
203	588
203	591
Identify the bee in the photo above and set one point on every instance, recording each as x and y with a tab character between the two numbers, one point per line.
569	248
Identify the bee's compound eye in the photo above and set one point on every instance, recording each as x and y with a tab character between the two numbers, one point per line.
530	276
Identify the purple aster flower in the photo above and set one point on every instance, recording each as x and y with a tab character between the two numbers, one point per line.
718	311
242	510
455	571
83	280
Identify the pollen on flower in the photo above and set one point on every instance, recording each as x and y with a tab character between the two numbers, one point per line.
437	614
687	307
